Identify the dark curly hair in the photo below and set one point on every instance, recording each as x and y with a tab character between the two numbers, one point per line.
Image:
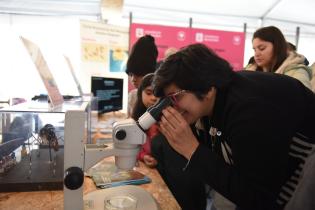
195	68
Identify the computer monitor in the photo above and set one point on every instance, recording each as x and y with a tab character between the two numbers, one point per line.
108	93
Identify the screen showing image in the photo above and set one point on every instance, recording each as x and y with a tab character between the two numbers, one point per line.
109	93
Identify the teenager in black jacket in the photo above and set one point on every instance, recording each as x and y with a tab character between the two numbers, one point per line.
261	126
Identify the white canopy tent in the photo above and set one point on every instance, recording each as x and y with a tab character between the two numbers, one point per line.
295	18
218	12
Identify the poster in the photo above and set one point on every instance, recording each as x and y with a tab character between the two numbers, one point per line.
104	48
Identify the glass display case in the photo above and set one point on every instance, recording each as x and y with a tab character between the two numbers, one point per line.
31	149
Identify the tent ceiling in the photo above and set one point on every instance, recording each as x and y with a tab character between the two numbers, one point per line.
50	7
301	11
291	11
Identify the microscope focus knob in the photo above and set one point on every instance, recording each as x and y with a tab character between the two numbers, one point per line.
73	178
120	134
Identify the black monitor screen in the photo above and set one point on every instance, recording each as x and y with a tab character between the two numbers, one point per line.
109	93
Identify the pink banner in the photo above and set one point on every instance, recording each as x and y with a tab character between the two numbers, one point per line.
227	44
165	36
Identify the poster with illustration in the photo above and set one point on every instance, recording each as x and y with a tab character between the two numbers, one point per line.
118	59
104	47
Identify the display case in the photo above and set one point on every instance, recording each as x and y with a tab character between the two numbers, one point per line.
32	148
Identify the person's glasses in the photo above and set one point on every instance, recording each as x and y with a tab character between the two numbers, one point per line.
175	96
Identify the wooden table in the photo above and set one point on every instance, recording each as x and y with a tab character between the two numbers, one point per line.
53	200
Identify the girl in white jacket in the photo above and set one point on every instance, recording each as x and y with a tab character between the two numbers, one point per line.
271	55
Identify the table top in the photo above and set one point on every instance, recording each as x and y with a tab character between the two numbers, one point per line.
39	200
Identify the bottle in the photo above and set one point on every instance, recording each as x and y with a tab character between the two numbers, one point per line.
23	151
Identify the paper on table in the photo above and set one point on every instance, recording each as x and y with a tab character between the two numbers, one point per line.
106	175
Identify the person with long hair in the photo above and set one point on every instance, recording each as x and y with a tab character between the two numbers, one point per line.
145	99
271	55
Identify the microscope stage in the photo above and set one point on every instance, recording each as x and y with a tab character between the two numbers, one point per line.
95	199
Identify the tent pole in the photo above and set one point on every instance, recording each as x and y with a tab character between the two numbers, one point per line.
130	22
245	30
190	22
297	37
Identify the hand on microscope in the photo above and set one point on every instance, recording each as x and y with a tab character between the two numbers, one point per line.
178	132
174	127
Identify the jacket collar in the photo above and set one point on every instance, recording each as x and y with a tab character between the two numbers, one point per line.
216	119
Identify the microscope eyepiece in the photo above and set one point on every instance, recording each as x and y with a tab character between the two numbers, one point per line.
153	113
156	110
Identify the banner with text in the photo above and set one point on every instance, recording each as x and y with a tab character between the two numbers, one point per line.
229	45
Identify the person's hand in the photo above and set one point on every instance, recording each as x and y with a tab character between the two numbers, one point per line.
149	161
177	132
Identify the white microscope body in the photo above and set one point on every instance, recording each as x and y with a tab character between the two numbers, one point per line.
127	139
128	136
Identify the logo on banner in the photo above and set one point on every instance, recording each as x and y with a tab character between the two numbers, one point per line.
181	36
199	37
236	40
139	32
